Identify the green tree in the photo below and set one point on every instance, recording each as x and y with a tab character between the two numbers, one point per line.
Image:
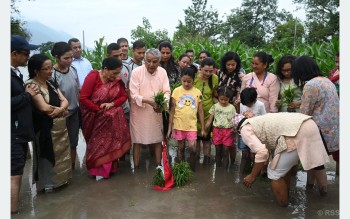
17	25
199	21
322	19
145	34
254	22
44	47
289	34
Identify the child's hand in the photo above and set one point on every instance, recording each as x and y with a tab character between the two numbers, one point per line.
168	135
207	126
234	131
248	114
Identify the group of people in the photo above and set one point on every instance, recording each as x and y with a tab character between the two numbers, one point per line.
116	110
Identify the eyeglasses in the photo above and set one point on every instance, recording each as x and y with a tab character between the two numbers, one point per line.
24	52
47	69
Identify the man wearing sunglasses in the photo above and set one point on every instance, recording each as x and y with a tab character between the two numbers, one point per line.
22	130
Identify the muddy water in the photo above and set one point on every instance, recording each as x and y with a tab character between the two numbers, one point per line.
212	193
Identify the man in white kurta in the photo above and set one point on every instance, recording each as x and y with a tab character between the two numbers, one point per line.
145	117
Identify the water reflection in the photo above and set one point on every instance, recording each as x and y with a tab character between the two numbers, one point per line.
214	190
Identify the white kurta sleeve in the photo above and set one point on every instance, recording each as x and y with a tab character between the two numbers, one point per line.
134	86
252	141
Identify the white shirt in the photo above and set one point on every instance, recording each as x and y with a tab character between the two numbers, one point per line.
258	108
17	71
83	67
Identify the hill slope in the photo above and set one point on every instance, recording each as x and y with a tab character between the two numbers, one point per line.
42	33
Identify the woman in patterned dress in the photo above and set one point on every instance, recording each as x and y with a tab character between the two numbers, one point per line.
319	100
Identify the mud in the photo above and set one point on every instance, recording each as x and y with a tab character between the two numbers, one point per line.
212	193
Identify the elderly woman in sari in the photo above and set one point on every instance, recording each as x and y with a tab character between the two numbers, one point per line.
146	121
104	124
290	136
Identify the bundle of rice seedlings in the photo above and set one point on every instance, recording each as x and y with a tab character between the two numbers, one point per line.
182	173
158	178
161	101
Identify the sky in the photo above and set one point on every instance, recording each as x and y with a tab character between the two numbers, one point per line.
115	19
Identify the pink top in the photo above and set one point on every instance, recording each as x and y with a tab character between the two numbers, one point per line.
267	89
145	124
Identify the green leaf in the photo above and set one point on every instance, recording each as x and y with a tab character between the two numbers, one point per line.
182	173
288	95
158	178
161	101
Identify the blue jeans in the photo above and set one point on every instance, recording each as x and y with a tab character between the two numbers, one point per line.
241	146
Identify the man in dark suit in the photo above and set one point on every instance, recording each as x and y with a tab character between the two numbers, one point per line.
22	130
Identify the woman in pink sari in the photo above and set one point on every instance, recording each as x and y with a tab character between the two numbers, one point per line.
104	124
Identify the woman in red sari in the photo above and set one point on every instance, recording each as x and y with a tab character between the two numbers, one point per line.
104	125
